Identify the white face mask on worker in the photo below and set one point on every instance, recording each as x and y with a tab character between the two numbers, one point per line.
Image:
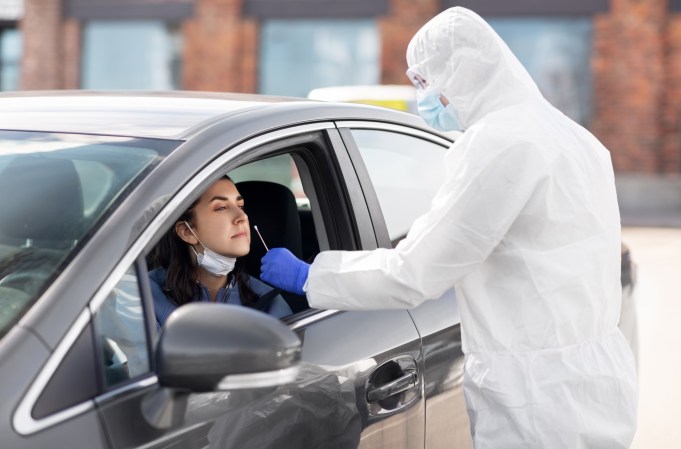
214	263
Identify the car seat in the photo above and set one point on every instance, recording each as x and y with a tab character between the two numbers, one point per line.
42	199
272	208
44	215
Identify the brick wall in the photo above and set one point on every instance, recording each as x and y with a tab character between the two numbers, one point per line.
71	54
220	48
671	110
629	78
405	19
51	54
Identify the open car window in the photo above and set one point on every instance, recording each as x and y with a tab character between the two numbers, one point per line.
295	190
276	203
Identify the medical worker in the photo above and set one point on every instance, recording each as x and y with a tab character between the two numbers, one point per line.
526	228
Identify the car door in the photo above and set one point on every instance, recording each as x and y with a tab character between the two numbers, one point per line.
400	170
361	375
377	353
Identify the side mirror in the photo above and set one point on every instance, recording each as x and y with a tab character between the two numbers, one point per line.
206	347
209	347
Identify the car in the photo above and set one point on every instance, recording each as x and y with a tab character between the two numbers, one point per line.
92	180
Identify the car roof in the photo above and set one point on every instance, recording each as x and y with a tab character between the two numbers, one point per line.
166	115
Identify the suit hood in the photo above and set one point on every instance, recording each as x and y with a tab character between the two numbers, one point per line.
460	55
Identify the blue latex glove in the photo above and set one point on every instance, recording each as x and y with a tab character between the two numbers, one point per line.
282	269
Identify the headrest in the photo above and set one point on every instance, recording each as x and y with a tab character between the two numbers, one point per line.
41	199
272	208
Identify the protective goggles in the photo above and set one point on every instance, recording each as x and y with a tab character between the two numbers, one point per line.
416	79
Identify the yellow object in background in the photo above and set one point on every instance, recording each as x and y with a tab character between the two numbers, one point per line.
394	96
400	105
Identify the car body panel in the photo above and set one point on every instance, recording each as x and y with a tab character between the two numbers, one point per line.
439	324
23	352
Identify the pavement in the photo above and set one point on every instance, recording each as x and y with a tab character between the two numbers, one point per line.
655	250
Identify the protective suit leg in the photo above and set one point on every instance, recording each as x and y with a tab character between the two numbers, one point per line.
543	399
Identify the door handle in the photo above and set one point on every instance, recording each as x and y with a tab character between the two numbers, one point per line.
402	383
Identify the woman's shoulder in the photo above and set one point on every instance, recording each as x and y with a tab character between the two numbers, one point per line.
158	275
163	307
258	286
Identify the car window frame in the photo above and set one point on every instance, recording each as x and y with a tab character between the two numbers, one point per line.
143	284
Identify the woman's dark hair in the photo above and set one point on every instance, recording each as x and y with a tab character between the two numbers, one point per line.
171	253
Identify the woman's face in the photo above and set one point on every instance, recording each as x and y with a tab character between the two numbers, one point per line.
220	222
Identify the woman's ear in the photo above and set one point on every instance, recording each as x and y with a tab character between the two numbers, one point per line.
182	230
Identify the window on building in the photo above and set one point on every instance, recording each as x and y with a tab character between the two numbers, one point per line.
300	55
131	55
556	52
10	58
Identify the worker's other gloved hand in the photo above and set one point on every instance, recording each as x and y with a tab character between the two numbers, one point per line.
282	269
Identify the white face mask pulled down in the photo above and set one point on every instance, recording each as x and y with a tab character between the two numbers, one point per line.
214	263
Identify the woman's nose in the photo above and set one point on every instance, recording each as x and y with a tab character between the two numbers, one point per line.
240	216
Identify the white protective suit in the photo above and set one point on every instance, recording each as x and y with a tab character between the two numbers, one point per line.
526	227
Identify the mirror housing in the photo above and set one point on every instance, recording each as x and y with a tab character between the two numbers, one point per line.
207	347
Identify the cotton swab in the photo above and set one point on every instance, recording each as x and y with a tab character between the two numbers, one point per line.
261	239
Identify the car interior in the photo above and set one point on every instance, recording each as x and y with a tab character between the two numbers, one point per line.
277	204
273	208
283	218
42	229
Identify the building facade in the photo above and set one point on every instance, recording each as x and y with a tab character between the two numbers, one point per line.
612	65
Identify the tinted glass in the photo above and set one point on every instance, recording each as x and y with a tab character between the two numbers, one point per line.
55	190
121	330
405	171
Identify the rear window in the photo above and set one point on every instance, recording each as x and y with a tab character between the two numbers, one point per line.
55	190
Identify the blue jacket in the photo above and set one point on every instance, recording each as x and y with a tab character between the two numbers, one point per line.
163	307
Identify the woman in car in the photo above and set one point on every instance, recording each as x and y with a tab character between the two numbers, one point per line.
198	258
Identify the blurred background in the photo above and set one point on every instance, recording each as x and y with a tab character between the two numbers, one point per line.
613	66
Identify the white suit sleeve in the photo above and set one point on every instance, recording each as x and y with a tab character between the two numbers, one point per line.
483	193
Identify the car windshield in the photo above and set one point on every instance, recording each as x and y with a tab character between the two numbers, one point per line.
54	190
